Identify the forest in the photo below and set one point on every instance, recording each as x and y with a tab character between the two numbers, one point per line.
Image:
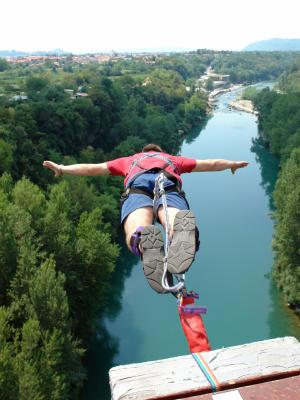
279	124
59	237
251	67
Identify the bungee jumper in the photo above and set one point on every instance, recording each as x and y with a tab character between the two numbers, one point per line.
153	191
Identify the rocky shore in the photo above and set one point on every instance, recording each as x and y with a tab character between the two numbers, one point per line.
213	95
243	105
226	86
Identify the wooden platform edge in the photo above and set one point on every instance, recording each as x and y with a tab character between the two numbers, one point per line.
180	377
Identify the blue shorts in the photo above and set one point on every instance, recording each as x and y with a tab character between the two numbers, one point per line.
147	181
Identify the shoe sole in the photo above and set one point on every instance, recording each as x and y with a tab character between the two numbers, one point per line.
152	258
183	246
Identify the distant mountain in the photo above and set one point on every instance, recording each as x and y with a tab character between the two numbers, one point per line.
11	53
274	45
155	50
16	53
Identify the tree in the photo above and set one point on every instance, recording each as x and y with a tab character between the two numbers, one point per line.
8	248
129	146
36	84
4	65
8	376
287	235
30	198
58	230
6	156
49	361
96	257
195	109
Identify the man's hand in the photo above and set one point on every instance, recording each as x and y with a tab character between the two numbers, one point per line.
56	168
238	164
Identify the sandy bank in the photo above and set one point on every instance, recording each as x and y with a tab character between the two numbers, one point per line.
243	105
212	97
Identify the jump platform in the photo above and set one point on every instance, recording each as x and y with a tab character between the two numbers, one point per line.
264	370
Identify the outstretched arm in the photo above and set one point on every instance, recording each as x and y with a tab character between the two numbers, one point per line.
77	169
218	165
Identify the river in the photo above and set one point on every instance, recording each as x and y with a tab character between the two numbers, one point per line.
231	270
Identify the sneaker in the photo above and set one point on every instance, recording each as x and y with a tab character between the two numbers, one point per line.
152	246
183	246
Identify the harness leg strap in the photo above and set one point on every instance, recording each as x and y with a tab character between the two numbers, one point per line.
135	241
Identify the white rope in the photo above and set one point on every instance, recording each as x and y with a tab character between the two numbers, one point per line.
159	191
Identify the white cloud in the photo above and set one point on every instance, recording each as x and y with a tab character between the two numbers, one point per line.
96	25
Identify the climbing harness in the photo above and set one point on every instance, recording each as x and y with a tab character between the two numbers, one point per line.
189	314
151	155
140	190
160	192
179	289
167	162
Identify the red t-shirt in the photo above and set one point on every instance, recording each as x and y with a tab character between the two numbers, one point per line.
121	166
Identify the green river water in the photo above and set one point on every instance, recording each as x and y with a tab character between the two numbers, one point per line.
231	270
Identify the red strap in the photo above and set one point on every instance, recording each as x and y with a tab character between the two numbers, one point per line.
193	328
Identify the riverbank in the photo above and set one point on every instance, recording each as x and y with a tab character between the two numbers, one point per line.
214	94
243	105
221	81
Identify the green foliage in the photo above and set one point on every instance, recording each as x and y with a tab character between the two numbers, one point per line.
287	236
250	93
253	67
290	80
6	183
164	88
4	65
45	302
51	123
96	259
35	84
129	146
47	298
187	65
8	375
29	197
8	248
6	156
43	362
195	108
49	360
279	120
57	250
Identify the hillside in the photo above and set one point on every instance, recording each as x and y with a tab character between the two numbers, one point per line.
274	45
17	53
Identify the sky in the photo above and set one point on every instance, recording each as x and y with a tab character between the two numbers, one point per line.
82	26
